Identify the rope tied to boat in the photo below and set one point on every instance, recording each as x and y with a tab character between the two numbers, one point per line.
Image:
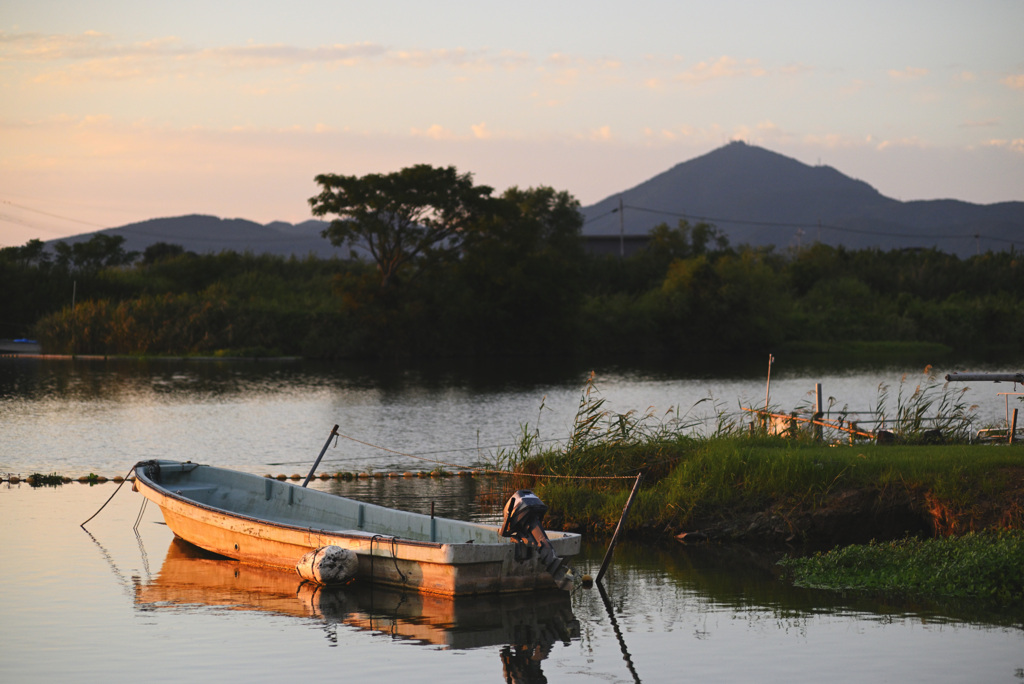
111	496
394	554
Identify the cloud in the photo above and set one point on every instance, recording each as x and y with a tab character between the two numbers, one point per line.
480	131
434	132
567	70
835	141
908	74
853	87
724	67
460	58
912	141
796	69
1014	81
984	123
661	135
73	58
1015	145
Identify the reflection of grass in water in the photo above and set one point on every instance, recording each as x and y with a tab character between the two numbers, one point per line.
986	566
747	579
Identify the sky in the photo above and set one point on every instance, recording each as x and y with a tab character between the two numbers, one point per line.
117	111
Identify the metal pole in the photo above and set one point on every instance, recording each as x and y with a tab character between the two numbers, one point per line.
618	528
334	432
985	377
1013	426
622	231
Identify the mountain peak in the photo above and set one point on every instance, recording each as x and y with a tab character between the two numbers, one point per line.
759	197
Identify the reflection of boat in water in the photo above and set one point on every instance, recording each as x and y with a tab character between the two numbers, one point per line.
267	522
529	623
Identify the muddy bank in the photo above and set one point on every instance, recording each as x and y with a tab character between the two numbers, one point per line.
857	516
845	516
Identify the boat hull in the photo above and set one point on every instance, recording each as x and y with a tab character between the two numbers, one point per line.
267	522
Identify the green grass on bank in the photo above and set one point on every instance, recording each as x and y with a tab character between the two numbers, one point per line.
690	479
987	566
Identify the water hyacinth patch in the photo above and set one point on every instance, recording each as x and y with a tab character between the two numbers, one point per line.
986	566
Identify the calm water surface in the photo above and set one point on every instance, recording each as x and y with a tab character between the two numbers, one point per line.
108	605
111	604
83	416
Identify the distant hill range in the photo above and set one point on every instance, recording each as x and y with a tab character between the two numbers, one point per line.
754	196
209	234
759	197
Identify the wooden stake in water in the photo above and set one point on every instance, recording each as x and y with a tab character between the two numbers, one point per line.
768	385
334	432
618	528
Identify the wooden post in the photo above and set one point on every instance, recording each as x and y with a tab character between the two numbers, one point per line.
768	384
1013	425
334	432
618	529
818	412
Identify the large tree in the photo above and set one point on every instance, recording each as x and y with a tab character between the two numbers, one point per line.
98	252
521	273
401	216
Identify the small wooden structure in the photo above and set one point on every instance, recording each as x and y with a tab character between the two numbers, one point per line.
1011	423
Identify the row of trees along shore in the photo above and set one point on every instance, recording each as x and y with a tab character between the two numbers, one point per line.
456	270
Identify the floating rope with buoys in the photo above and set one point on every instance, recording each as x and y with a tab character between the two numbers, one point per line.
488	471
461	470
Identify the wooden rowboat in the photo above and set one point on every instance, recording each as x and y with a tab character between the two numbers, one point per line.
269	522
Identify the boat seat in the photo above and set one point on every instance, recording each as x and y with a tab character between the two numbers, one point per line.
360	533
191	490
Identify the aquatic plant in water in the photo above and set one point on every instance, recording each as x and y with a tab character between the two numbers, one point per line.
40	480
986	566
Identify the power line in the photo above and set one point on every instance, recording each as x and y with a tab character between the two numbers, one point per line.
56	216
816	226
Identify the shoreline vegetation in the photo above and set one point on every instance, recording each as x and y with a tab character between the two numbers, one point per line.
925	514
522	291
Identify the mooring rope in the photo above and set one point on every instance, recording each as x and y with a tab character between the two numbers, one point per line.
138	518
490	471
394	555
111	497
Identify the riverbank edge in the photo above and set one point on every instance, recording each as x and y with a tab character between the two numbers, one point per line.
848	516
791	495
845	516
